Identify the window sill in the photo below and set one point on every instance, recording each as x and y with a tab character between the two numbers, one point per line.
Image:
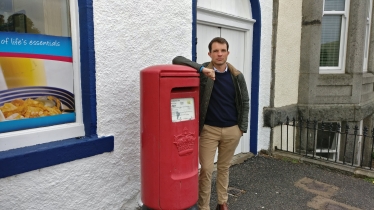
331	72
30	158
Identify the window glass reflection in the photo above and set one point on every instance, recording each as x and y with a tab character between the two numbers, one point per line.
330	40
49	17
334	5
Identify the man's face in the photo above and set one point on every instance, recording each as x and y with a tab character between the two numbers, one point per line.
219	53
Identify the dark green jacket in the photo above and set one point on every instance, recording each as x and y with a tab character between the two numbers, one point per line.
206	87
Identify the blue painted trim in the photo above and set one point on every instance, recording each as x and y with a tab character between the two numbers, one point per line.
26	159
22	124
88	71
255	85
194	35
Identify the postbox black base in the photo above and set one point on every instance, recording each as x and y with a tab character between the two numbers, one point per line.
194	207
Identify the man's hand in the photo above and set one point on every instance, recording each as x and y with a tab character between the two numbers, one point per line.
209	73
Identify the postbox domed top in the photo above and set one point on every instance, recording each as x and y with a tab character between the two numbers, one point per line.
170	70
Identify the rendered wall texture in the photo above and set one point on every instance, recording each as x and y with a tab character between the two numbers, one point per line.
265	72
288	53
287	61
129	36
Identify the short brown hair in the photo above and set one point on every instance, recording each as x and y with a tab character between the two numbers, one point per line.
219	40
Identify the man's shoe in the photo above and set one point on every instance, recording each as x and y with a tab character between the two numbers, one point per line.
222	207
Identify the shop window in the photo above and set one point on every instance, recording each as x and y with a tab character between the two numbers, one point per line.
40	93
38	147
333	36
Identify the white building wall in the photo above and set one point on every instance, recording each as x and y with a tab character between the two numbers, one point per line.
265	72
288	53
129	36
287	61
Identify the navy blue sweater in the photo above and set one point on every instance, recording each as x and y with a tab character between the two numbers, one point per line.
222	110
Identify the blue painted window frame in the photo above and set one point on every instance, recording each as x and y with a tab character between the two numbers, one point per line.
30	158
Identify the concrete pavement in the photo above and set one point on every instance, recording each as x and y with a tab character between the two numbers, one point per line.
283	182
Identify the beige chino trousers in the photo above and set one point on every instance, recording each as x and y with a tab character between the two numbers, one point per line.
226	140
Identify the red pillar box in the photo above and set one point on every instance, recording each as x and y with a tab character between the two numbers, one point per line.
169	137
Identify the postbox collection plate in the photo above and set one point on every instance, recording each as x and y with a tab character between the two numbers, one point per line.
182	109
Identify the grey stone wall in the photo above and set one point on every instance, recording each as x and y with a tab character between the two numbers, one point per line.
325	112
347	98
309	50
335	97
352	87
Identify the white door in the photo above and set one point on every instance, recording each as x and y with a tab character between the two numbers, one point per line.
236	40
205	33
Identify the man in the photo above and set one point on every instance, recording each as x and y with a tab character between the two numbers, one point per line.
224	107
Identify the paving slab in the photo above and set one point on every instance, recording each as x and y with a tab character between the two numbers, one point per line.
316	187
322	203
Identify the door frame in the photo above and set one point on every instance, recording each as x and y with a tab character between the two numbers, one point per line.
220	19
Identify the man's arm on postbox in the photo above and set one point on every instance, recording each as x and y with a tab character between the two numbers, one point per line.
180	60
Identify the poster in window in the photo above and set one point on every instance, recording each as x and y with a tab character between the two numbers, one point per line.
36	76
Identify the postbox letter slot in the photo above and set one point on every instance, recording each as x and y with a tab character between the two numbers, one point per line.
182	89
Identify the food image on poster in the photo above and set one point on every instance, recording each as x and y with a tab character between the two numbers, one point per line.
29	108
32	102
38	106
182	109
